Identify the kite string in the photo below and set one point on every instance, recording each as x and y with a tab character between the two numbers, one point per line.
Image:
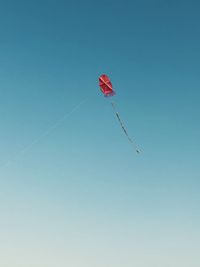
123	127
45	133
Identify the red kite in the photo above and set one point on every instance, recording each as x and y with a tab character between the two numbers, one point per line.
106	85
107	89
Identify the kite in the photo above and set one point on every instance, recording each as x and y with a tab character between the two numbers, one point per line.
107	89
106	85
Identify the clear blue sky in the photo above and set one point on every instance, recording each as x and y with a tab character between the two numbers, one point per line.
80	196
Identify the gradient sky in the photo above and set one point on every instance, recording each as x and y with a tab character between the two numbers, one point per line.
79	196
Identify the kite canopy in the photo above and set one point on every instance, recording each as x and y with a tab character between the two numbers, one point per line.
106	85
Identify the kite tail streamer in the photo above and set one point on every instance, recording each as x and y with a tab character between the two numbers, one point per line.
123	128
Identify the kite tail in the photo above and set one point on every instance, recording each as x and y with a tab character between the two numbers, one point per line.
123	128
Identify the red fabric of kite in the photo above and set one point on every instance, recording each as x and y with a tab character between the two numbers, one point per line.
106	85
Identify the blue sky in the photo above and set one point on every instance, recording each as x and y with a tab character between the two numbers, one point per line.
79	195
